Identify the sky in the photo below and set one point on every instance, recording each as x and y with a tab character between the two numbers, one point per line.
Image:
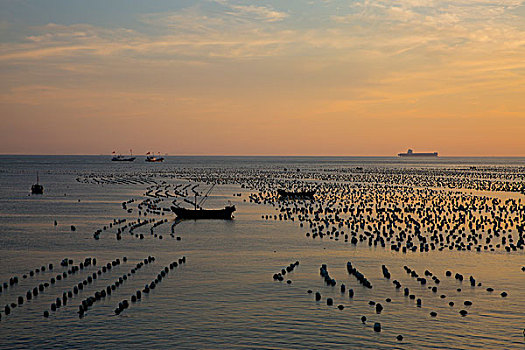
283	77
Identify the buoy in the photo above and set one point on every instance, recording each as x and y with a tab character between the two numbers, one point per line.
379	308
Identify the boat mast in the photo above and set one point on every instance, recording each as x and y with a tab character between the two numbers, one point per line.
206	196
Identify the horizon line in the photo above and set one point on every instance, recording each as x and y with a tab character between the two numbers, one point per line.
259	155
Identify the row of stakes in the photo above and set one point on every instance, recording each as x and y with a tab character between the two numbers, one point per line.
459	277
279	276
378	306
14	280
133	226
124	304
59	302
331	282
99	295
43	286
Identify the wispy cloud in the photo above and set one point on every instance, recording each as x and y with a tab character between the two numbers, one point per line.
365	59
257	12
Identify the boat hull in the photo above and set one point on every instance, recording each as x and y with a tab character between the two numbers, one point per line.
411	153
190	214
154	160
37	189
435	154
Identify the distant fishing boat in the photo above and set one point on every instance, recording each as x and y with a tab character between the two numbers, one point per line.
411	153
121	158
37	188
152	158
298	194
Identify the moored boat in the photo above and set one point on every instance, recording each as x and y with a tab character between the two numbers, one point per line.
154	159
37	188
196	214
121	158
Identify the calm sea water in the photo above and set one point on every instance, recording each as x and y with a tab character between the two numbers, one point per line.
224	296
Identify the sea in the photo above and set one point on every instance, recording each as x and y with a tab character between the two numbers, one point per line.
224	296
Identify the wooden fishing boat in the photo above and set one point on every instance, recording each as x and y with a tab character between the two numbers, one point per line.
152	158
197	214
121	158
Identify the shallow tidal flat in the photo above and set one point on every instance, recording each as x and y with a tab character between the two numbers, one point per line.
388	254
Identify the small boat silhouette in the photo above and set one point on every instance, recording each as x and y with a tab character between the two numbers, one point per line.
152	158
121	158
199	213
196	214
37	188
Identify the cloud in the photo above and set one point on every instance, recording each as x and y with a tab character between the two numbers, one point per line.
257	12
403	51
202	32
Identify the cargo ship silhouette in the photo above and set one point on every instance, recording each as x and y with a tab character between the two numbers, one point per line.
411	153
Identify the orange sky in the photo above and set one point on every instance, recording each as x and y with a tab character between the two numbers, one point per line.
263	77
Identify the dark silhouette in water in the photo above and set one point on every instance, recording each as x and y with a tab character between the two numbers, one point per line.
411	153
37	188
152	158
121	158
195	214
